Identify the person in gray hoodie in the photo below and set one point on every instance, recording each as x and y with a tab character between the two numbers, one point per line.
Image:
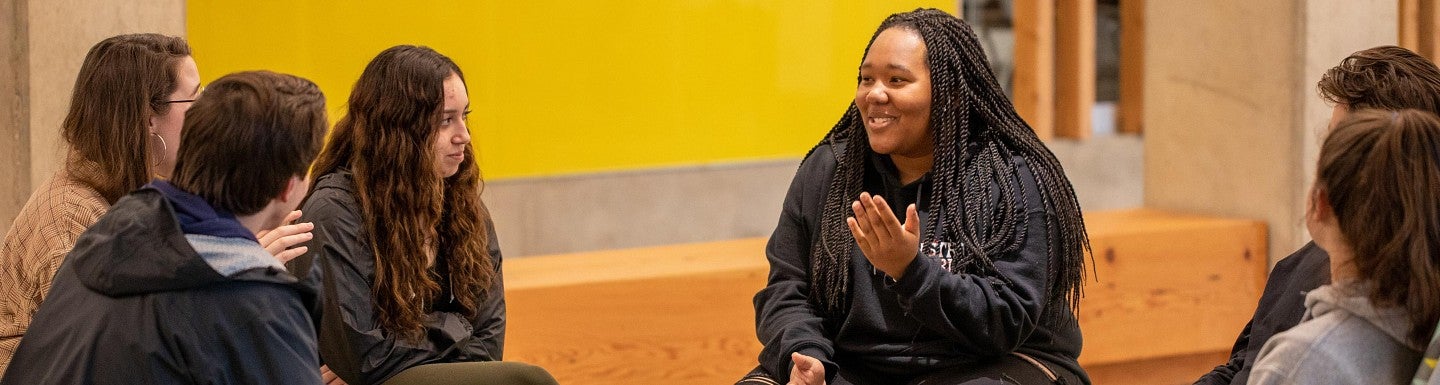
1375	208
1385	77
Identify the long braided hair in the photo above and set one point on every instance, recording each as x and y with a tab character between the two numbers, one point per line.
385	140
977	133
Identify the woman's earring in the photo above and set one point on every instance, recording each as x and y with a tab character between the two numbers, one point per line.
163	147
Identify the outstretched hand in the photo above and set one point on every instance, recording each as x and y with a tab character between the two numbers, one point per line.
278	241
887	243
806	371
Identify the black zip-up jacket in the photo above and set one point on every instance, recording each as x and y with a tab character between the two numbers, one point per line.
1281	307
929	319
341	266
136	302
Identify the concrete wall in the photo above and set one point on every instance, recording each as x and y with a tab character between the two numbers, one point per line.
1231	112
14	111
725	201
44	43
60	33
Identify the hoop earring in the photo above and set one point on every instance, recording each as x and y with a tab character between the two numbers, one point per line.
163	147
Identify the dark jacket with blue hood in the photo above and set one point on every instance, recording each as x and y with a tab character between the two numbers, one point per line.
165	289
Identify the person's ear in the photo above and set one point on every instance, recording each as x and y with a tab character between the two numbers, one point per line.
290	186
1320	205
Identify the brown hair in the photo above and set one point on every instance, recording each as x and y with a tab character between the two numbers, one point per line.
1380	171
392	119
124	81
1385	77
247	136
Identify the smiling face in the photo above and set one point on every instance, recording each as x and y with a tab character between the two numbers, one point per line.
893	95
452	137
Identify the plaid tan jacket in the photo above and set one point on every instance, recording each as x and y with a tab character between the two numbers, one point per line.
37	242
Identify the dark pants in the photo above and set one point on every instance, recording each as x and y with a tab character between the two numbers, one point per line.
1007	370
487	373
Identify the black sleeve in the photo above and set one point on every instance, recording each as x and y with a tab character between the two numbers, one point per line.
352	344
488	341
1223	374
986	315
785	321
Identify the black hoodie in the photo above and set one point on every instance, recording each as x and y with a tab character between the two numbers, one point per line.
929	319
163	289
340	264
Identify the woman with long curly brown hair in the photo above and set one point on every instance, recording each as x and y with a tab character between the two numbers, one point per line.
405	257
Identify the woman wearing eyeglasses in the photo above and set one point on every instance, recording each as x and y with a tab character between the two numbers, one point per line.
122	130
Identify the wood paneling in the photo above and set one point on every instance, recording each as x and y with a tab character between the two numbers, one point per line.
1074	68
1035	64
1132	67
1419	25
1191	281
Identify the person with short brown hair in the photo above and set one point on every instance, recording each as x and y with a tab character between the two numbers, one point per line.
122	129
1385	77
172	285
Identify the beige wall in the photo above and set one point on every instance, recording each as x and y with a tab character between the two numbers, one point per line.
61	31
1231	110
45	42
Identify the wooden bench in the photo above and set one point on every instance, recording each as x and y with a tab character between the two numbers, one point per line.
1171	294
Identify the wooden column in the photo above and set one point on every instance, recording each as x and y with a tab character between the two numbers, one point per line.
1429	43
1132	67
1418	25
1035	64
1410	24
1075	67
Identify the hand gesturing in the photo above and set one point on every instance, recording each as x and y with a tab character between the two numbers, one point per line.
887	243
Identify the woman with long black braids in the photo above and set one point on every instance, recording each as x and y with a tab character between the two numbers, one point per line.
930	237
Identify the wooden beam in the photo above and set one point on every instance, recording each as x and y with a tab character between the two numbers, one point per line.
1409	24
1074	67
1034	91
1428	27
1132	67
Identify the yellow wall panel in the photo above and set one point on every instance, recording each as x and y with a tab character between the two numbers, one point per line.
563	87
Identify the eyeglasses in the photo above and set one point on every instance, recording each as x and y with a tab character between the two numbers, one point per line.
198	90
